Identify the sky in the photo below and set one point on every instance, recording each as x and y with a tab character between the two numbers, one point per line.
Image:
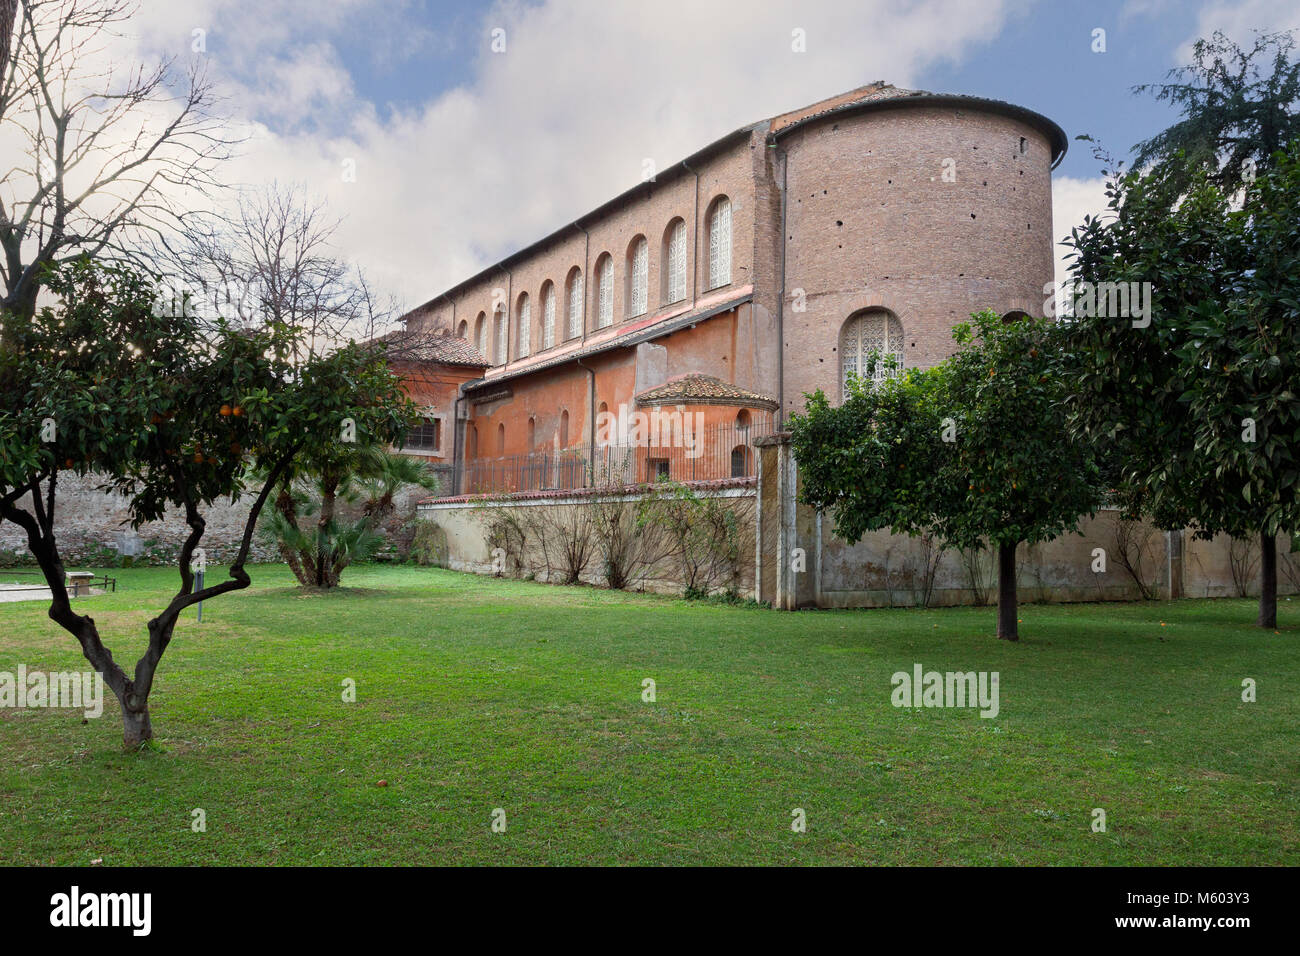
446	135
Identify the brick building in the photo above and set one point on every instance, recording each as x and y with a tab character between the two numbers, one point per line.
663	331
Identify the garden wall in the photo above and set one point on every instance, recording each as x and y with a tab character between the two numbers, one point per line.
463	528
803	564
94	530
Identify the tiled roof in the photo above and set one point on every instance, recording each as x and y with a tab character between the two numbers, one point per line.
879	90
438	346
699	389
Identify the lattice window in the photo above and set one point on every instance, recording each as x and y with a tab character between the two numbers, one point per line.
575	306
605	292
548	317
640	275
720	243
503	336
525	326
676	263
875	332
480	334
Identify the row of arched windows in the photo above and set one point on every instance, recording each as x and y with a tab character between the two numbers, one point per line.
636	294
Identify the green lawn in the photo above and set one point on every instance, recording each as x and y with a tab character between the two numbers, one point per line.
475	694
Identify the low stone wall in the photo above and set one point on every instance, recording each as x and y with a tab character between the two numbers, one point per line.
465	531
94	529
803	564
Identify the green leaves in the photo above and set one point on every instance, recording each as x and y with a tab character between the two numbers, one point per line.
1205	395
974	449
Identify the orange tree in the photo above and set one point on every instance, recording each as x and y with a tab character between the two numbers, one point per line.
174	415
974	450
1201	404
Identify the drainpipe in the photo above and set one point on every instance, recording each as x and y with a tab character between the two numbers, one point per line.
591	411
695	238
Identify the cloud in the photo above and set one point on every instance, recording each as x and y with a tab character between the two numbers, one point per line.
1072	199
1237	20
537	135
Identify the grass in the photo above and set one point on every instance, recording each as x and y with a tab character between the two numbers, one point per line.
475	694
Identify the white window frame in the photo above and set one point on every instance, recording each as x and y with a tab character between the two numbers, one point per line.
878	331
605	293
502	335
639	277
548	317
525	331
574	329
675	265
720	243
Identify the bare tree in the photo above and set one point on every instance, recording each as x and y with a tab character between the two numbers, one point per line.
105	159
273	258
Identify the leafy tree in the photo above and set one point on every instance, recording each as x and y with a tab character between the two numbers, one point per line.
1200	405
365	477
1239	110
172	414
973	450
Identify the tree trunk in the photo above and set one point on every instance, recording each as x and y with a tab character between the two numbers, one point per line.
136	727
1007	621
1267	581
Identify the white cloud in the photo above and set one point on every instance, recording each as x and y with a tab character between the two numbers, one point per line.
535	136
1072	199
1239	19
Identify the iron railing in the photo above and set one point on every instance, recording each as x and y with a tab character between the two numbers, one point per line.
711	453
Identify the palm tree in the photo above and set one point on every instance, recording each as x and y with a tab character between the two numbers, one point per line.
366	480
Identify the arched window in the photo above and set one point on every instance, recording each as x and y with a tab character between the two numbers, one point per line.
501	439
741	462
877	332
524	320
605	291
574	327
463	331
473	441
502	336
720	242
548	315
1015	315
532	434
564	429
638	272
480	333
674	259
742	419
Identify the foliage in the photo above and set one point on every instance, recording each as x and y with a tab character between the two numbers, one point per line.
316	539
972	450
429	544
173	415
1238	106
705	536
1200	407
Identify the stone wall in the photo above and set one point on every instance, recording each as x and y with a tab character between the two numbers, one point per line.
803	563
464	528
94	529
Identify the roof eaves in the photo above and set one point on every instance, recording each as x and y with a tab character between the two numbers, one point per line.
1056	135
